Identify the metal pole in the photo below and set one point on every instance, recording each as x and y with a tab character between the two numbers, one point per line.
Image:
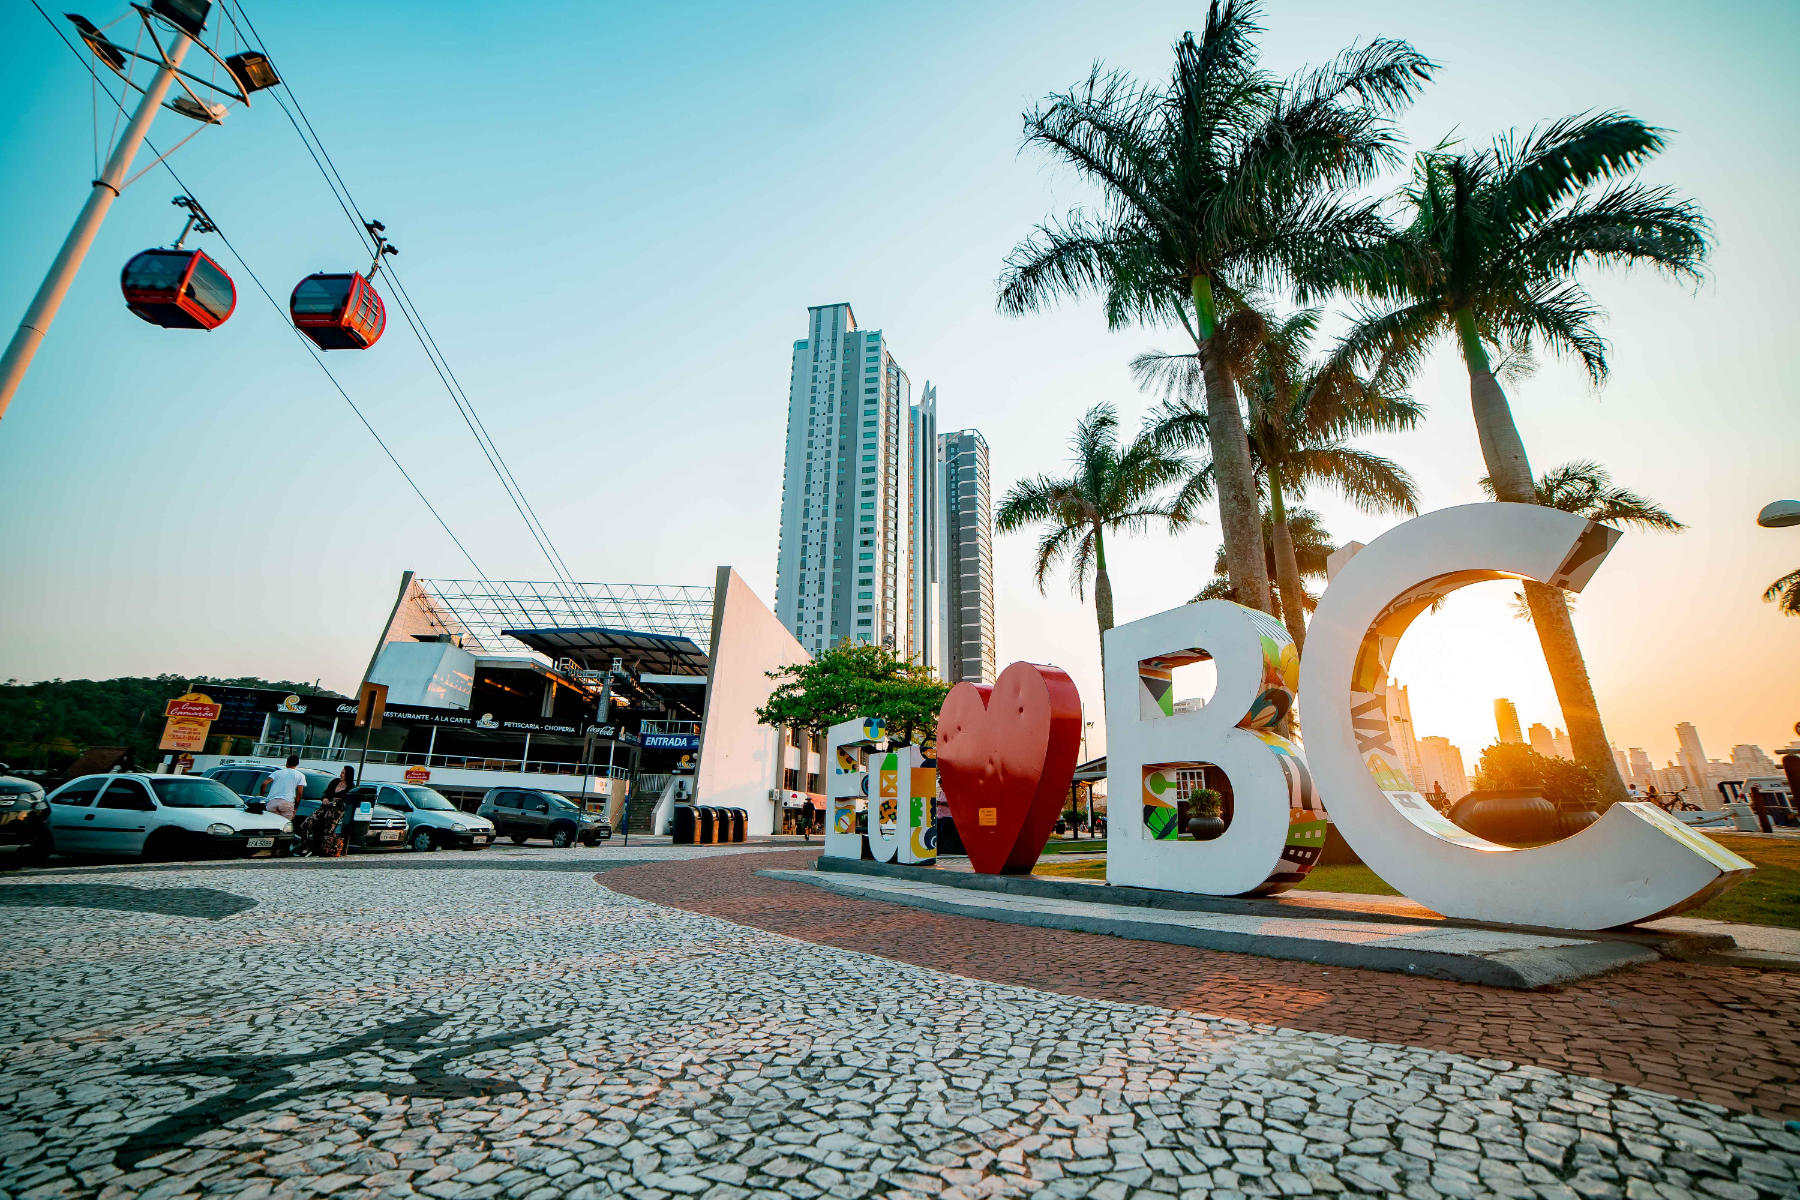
106	189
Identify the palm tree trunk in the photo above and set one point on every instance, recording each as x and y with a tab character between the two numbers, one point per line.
1287	566
1240	520
1103	597
1508	467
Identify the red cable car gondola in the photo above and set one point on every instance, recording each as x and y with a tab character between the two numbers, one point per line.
177	288
342	311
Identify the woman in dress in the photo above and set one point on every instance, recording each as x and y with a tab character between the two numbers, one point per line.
324	829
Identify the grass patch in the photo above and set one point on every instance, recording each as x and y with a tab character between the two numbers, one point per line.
1769	897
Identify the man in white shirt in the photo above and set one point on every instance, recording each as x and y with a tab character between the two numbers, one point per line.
284	786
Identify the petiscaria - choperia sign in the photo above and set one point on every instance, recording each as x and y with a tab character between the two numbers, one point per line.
1635	863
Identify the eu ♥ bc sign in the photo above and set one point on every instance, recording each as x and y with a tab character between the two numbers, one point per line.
1633	864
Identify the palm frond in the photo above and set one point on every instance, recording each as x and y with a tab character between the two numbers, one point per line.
1542	168
1784	593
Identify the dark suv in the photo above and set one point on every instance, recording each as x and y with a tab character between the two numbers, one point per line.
24	823
521	813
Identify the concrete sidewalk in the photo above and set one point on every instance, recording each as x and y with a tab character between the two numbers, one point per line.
1496	957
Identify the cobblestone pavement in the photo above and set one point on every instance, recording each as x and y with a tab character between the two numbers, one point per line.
487	1031
1723	1034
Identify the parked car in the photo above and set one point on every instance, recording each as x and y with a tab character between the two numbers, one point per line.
521	813
431	820
24	823
250	782
160	817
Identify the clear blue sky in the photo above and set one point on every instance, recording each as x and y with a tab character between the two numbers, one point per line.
615	217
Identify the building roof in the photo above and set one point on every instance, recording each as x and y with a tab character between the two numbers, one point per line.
486	616
656	653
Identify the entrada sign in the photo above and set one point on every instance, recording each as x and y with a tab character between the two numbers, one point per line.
1634	864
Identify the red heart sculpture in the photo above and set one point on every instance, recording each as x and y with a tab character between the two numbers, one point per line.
1006	752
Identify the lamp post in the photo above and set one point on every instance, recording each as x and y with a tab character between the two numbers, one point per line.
184	20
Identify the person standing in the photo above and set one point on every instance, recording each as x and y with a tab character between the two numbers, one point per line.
285	786
324	832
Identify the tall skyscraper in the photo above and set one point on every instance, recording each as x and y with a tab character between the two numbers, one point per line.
1441	765
1643	771
968	540
1541	741
1400	726
842	562
1506	719
1751	760
1692	756
924	643
1565	748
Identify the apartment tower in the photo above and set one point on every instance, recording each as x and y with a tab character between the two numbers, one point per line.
842	564
968	556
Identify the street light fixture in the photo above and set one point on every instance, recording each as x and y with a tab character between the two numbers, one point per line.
173	27
1779	514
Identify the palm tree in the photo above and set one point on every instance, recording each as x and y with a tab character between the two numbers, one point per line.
1301	417
1784	594
1312	546
1111	488
1224	178
1489	253
1586	489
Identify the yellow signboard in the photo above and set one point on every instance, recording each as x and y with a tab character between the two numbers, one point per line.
189	718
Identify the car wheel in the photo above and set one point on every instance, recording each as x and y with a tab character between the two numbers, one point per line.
518	839
423	840
162	846
561	837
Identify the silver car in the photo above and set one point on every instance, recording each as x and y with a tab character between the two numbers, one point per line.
431	820
160	817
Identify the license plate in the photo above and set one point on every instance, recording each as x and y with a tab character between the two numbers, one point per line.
262	843
391	835
480	839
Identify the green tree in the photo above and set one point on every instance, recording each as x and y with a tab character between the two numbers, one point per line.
1302	416
1222	179
1784	594
1489	252
48	724
1586	489
1563	783
1112	488
852	680
1311	544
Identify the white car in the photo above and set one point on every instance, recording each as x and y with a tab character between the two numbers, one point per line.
160	817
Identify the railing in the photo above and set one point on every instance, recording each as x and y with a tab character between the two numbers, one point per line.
688	727
350	754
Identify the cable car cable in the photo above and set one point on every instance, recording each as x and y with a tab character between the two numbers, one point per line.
334	180
239	258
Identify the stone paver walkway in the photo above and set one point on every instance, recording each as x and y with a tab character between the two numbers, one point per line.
1723	1034
491	1031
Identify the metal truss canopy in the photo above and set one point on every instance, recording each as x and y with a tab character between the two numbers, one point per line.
484	614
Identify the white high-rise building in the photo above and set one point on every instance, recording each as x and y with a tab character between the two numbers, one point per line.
1541	741
924	562
1692	755
1400	725
842	564
1441	765
968	557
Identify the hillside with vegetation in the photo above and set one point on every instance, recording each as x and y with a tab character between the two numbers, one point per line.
45	726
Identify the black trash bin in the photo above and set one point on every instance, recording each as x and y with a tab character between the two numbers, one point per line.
740	821
949	841
708	825
685	825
